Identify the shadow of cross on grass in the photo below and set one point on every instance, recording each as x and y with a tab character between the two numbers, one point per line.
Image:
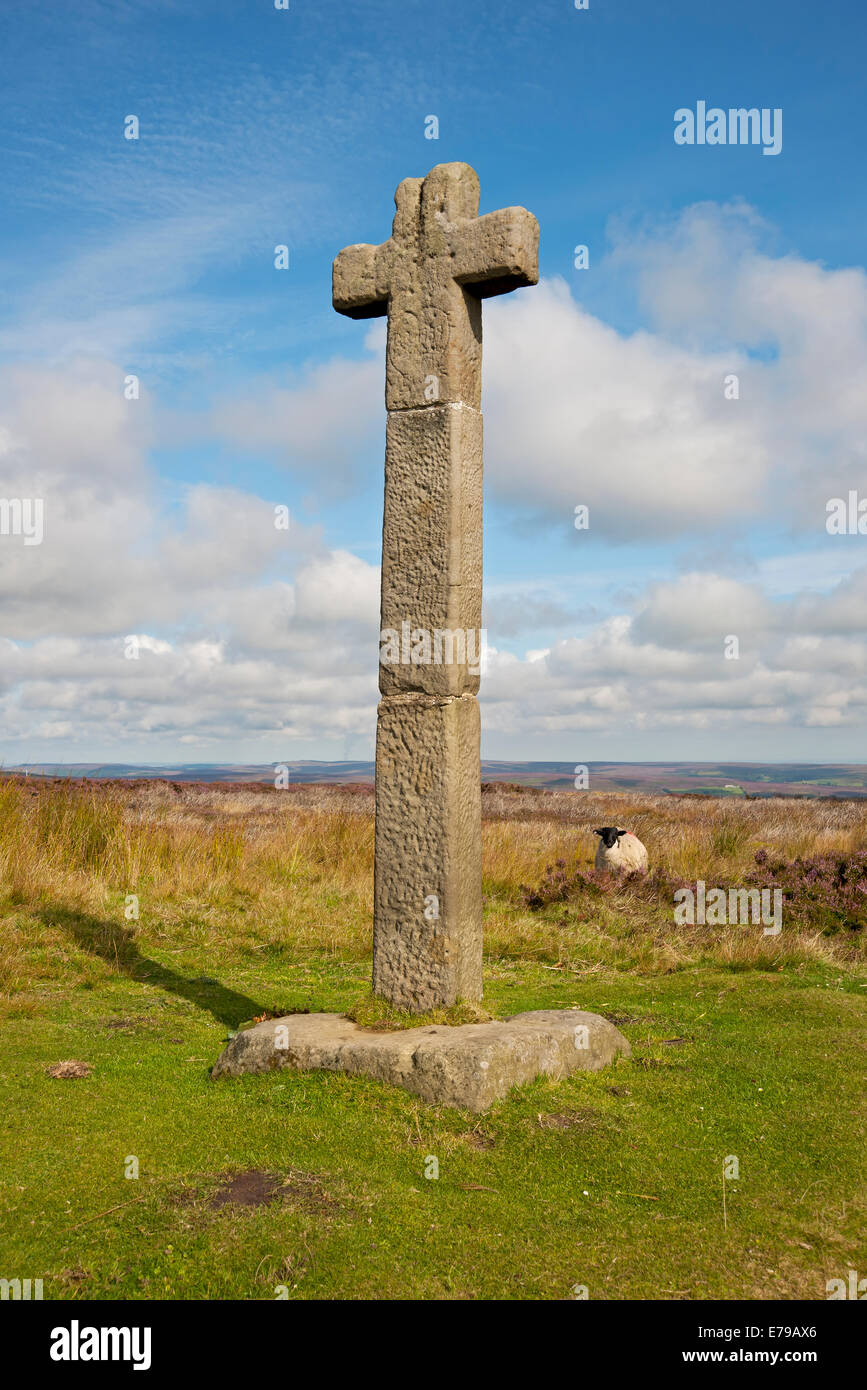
115	944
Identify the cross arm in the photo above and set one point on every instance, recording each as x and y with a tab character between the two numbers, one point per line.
497	253
359	286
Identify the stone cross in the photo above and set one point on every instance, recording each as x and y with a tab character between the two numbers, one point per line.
430	277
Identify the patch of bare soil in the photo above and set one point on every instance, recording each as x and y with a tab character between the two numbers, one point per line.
477	1140
582	1119
256	1188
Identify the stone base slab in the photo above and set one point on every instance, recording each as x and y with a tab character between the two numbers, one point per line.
469	1066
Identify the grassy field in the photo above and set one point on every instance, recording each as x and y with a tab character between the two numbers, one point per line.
140	925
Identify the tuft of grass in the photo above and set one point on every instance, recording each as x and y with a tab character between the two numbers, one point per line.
730	837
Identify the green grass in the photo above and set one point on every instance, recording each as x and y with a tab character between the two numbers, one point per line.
766	1068
254	904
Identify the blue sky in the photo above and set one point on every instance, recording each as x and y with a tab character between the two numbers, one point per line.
261	127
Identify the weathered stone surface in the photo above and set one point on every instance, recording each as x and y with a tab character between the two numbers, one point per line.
441	260
427	942
470	1066
432	552
430	277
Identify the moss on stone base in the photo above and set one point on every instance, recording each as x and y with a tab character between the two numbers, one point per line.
380	1016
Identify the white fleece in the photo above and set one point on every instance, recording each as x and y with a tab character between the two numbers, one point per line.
628	856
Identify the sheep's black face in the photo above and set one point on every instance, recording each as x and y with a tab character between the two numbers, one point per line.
609	835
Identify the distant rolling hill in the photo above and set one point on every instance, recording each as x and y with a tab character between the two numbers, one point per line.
702	779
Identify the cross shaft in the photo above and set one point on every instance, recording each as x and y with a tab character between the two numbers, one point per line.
430	277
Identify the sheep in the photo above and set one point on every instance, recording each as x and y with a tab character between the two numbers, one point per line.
619	851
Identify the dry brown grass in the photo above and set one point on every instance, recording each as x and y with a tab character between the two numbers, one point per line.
687	838
292	872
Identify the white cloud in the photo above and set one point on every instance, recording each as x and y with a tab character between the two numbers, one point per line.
241	627
638	426
251	634
339	587
699	610
666	667
635	428
324	424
